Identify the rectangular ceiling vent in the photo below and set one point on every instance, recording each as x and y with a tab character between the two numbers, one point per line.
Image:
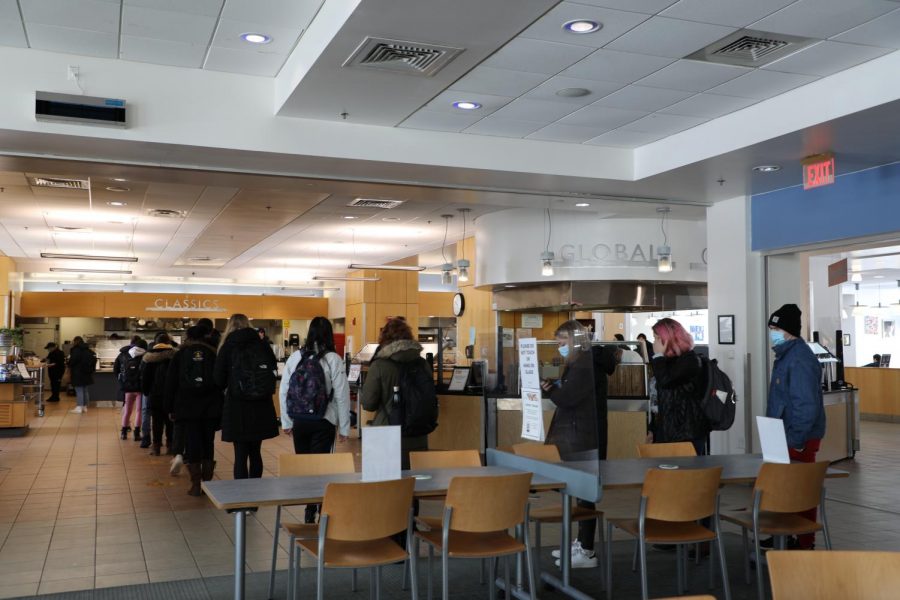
398	56
167	213
749	48
375	203
60	182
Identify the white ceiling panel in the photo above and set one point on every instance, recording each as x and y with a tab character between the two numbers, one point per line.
693	76
663	124
823	18
636	97
883	31
536	56
156	24
162	52
498	82
73	41
503	127
673	38
735	13
649	7
89	15
12	33
621	67
762	84
280	13
444	102
614	23
439	121
9	11
709	106
598	89
602	117
228	35
209	8
573	134
242	61
826	58
538	111
620	138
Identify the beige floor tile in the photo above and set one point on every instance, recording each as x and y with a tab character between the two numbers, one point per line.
18	589
120	568
26	573
174	574
66	585
106	581
57	572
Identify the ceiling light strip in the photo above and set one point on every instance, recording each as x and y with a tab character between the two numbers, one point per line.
347	278
386	267
104	271
89	257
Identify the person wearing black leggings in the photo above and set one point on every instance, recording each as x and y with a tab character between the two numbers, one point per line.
245	368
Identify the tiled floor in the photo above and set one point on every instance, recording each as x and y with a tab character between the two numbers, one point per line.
80	509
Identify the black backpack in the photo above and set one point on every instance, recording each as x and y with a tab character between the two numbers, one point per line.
719	403
417	411
307	396
197	367
253	372
131	374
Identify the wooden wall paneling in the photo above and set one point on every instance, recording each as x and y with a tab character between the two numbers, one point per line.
285	307
353	325
437	304
392	287
879	389
64	304
459	424
613	323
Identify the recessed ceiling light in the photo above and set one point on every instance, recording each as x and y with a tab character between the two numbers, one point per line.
582	26
117	189
390	219
573	92
349	217
767	168
466	105
582	204
509	285
117	203
256	38
878	277
119	179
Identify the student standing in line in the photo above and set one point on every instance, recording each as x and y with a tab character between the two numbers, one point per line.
119	365
647	345
153	379
213	337
245	368
82	365
131	386
56	368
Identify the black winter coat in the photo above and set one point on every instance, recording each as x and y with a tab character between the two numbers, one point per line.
58	358
153	374
192	404
604	358
243	421
121	361
574	428
680	385
82	364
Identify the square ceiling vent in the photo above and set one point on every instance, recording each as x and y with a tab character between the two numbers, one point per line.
375	203
399	56
750	48
61	182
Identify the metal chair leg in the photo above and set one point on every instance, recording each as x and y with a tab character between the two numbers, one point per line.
378	583
445	574
746	543
430	575
492	579
353	581
712	570
609	530
825	532
537	547
373	583
532	582
291	552
642	544
404	585
760	590
483	569
294	583
634	558
271	595
721	545
679	565
506	580
320	579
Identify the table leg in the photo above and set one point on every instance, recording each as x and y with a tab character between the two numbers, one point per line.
240	552
565	556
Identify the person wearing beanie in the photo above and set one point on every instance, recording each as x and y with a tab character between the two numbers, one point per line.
795	394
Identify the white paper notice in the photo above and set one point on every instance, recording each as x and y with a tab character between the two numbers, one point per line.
23	371
380	453
459	379
528	364
772	440
353	375
509	338
532	416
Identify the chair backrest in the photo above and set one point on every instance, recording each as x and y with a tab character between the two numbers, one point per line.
681	494
367	510
544	452
666	450
444	459
304	465
491	503
834	575
790	488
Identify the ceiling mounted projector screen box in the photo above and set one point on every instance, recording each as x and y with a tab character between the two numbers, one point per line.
73	108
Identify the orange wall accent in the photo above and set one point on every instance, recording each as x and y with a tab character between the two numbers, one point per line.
439	304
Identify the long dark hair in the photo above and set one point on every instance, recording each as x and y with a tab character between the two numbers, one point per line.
320	337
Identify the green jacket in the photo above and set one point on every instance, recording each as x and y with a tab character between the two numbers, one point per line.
383	375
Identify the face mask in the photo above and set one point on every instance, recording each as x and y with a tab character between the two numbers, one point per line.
776	337
563	351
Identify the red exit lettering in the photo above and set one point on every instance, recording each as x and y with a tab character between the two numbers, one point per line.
819	173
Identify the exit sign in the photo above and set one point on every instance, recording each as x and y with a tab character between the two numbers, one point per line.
818	171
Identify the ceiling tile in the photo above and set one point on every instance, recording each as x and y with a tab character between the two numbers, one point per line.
162	52
228	35
89	15
619	138
614	23
664	124
11	31
883	31
503	127
282	13
165	25
439	121
674	38
636	97
649	7
536	56
709	106
692	76
443	102
242	61
826	58
547	90
557	132
602	117
73	41
823	18
621	67
762	84
499	82
210	8
538	111
735	13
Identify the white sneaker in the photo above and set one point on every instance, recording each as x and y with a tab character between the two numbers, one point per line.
576	546
583	559
175	467
77	410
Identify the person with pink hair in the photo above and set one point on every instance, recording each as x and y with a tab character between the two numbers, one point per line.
680	384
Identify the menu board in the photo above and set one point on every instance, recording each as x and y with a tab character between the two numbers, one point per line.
459	379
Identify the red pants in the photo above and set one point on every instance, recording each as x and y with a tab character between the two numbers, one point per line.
808	455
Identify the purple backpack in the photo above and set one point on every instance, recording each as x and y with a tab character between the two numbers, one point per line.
307	396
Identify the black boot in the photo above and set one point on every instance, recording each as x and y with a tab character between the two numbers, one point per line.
125	431
310	514
194	470
207	469
137	434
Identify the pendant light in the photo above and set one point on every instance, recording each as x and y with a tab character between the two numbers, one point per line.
462	263
447	267
897	303
859	310
547	255
664	252
880	309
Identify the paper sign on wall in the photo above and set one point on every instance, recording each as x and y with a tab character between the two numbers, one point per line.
353	375
509	338
528	364
380	453
534	320
772	440
532	416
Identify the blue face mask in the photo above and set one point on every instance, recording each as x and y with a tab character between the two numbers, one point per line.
564	351
776	337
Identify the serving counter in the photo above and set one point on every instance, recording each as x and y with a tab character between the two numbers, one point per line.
15	410
879	392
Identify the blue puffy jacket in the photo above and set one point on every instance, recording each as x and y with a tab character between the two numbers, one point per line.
795	393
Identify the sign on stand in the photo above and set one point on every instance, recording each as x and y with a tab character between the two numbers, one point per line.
380	453
529	375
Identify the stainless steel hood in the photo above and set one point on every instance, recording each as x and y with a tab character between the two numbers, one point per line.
612	296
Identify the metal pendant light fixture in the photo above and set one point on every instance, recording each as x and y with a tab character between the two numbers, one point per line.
664	252
447	267
547	255
859	310
463	264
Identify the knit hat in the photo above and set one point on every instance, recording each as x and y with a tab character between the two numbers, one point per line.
787	318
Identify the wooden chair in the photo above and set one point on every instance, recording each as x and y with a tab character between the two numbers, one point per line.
672	503
553	514
836	575
478	513
666	450
353	536
779	493
303	465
